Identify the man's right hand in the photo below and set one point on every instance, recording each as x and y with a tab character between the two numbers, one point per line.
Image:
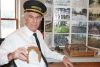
20	53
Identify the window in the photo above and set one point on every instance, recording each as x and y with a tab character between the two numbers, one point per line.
9	21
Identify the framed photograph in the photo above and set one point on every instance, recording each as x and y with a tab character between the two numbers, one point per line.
61	39
61	13
7	27
78	39
79	27
61	26
94	14
79	14
48	21
94	3
48	26
62	2
80	3
94	28
94	41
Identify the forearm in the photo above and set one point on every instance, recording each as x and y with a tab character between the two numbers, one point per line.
54	55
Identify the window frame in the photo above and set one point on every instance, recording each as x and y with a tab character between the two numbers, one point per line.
15	18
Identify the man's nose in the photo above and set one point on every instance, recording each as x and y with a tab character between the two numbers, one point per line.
35	20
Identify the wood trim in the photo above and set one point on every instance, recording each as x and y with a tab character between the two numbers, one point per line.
77	64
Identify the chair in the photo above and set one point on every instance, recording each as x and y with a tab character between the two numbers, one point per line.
11	63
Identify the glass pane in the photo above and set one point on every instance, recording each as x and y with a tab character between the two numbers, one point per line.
62	2
61	26
61	39
62	13
94	41
7	27
79	26
80	3
94	28
79	39
8	10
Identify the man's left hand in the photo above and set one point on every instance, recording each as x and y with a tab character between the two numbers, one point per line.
67	62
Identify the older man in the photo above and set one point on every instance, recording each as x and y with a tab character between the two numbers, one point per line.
26	45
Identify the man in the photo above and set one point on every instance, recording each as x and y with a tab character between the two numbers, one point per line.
22	46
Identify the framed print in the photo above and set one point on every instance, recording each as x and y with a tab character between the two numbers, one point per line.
62	13
61	39
94	28
48	20
79	14
61	26
79	27
48	26
94	3
78	39
94	41
62	2
94	14
79	3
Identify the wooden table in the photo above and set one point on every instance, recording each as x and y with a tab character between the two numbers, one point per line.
78	62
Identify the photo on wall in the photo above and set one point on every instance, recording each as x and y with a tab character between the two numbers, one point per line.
94	3
62	14
78	39
48	26
94	28
79	3
61	39
79	14
48	20
62	2
79	27
94	14
94	41
61	26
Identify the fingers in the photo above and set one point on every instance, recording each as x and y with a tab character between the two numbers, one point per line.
70	64
21	53
67	62
66	65
23	57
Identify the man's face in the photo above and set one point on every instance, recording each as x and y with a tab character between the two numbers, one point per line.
32	20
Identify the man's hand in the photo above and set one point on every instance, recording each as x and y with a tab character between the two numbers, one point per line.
20	53
67	62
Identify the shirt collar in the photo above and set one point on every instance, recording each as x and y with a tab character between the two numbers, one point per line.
28	32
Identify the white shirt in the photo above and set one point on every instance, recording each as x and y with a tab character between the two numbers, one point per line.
23	37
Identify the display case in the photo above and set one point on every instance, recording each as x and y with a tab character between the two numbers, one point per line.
70	22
